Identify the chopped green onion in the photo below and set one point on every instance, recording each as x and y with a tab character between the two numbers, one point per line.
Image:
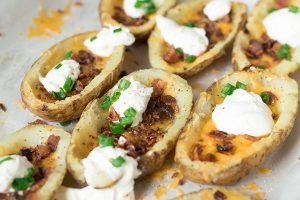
284	52
150	8
265	97
240	85
58	66
147	5
126	121
6	159
124	84
138	4
117	30
59	95
105	141
106	103
118	161
20	184
272	10
227	90
293	9
65	123
116	95
20	198
69	83
93	38
189	24
116	128
68	55
261	67
130	112
190	58
179	50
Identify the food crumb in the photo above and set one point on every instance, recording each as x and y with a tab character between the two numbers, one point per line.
264	170
259	196
159	192
37	121
250	186
3	107
21	104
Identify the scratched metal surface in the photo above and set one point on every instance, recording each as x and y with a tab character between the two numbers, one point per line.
17	53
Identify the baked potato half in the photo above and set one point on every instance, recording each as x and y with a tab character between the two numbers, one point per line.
33	142
221	34
96	78
213	194
112	11
149	149
207	155
254	47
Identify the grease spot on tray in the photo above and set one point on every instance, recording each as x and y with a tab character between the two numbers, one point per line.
45	23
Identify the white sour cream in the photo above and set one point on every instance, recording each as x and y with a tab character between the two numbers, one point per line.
98	162
107	40
243	113
136	96
56	78
283	26
133	12
192	41
217	9
17	167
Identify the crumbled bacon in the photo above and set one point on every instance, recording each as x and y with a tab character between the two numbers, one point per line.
272	98
282	3
223	148
78	86
255	49
3	107
171	55
220	135
121	17
218	195
112	115
83	57
196	152
210	158
52	142
158	87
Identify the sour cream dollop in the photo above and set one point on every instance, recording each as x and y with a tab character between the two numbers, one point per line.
243	113
217	9
109	38
16	167
56	77
136	96
191	40
283	26
133	12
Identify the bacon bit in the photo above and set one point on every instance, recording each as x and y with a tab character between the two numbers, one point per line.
218	195
78	86
255	49
196	152
112	115
224	148
44	108
220	135
37	121
159	87
93	73
175	175
282	3
3	107
121	17
171	55
274	116
210	158
272	98
52	142
251	138
83	57
78	4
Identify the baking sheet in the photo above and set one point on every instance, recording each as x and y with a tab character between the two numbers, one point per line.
17	53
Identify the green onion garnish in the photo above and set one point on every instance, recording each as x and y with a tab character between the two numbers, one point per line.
6	159
105	141
293	9
69	83
261	67
117	30
58	66
20	184
265	97
130	112
59	95
189	24
272	10
227	90
65	123
190	58
179	50
93	38
124	84
147	5
106	103
116	128
68	55
240	85
118	161
284	52
126	121
116	95
150	8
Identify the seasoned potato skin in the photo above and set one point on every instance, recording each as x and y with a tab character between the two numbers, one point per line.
141	32
238	166
84	136
71	107
254	29
156	42
32	136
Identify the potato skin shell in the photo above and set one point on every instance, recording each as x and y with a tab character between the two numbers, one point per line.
71	107
237	167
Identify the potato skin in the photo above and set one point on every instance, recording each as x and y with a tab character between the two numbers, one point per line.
156	42
254	29
237	167
84	136
71	107
34	135
141	32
